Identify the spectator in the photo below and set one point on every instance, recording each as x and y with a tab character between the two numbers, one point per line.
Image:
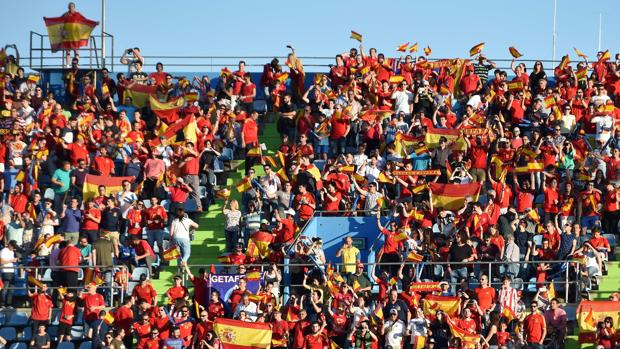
181	231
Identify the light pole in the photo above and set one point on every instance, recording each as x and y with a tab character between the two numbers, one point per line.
555	8
103	46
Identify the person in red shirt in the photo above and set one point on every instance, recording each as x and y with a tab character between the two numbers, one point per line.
143	330
189	170
144	252
144	291
156	217
280	330
135	218
552	198
391	246
247	93
300	329
90	222
340	128
535	327
200	285
178	194
123	319
42	306
69	257
600	243
186	326
18	200
178	291
470	83
67	316
466	322
331	198
216	308
153	342
588	209
92	302
304	204
485	294
316	339
77	150
611	208
478	222
249	138
103	164
285	227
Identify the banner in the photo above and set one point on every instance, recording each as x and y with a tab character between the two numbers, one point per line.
226	283
449	305
235	334
70	31
452	196
112	185
590	313
417	173
424	286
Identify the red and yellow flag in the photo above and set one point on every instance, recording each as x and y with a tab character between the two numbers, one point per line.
508	313
514	52
109	318
167	111
452	196
34	281
476	49
468	339
589	313
515	86
244	185
179	132
564	63
579	53
582	73
139	94
262	239
549	101
414	257
448	304
413	48
356	36
172	253
396	79
402	48
428	51
419	342
605	57
70	31
112	185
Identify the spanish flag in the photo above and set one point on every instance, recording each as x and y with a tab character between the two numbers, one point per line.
605	57
433	135
252	275
551	290
419	342
167	111
254	152
70	31
590	313
564	63
582	73
508	313
34	78
262	240
139	93
225	72
476	49
181	131
468	339
356	36
383	178
403	141
92	275
224	258
530	168
414	257
448	304
579	53
172	253
392	281
514	52
515	86
270	160
377	315
223	193
396	79
413	48
402	48
109	318
112	185
281	157
282	175
191	97
244	185
549	101
34	281
402	236
452	196
590	321
356	286
282	77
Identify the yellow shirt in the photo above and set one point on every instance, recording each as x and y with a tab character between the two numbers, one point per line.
349	259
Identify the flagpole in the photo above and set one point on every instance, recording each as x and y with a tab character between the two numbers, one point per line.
103	48
555	8
600	27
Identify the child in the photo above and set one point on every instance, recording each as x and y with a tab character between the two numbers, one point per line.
67	315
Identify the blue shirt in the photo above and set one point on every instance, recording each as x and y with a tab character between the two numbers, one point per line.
129	111
71	221
174	343
420	162
64	177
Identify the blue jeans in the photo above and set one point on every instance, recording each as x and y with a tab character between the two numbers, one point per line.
456	275
156	235
588	221
184	248
337	146
6	294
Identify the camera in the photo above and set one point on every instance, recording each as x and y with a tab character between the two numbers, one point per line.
129	51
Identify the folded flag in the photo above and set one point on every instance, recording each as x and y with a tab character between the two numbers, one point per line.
476	49
109	318
172	253
222	193
356	36
139	94
419	342
392	281
582	73
396	79
191	97
262	239
252	275
413	48
270	160
282	175
70	31
452	196
112	185
515	86
448	304
34	281
551	290
428	51
377	315
254	152
402	48
508	313
468	339
514	52
244	185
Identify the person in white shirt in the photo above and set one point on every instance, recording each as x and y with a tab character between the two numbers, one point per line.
511	255
604	126
394	331
418	326
508	296
402	99
7	271
250	308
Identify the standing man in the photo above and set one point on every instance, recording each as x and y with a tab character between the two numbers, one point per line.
61	179
350	256
535	328
70	220
69	257
7	264
394	330
189	169
156	218
249	138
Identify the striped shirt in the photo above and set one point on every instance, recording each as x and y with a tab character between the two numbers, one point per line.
508	297
482	70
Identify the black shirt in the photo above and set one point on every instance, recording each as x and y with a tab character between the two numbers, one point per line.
400	306
459	253
79	175
110	218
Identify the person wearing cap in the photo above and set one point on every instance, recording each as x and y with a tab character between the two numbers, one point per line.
284	231
394	330
178	291
361	278
144	291
93	303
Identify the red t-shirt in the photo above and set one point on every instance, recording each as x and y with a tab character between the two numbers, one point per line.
67	312
250	131
157	215
19	202
144	247
599	242
610	201
332	205
315	342
200	290
391	245
70	256
187	329
305	211
77	152
479	157
190	166
41	306
246	91
486	297
123	318
525	199
143	331
89	224
92	300
146	292
178	193
534	325
339	127
552	198
104	165
177	292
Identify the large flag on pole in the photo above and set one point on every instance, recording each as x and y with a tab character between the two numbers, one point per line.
452	196
235	334
70	31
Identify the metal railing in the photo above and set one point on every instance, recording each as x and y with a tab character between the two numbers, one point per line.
41	55
38	272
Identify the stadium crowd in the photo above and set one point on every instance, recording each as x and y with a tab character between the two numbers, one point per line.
372	136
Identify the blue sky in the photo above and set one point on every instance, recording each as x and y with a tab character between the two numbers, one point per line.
321	28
